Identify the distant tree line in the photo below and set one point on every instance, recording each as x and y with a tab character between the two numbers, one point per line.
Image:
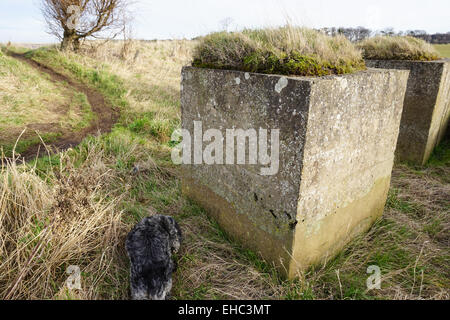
353	34
437	38
361	33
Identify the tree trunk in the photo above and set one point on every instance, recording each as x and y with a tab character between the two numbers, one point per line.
71	41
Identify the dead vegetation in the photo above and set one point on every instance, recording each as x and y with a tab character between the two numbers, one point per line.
51	220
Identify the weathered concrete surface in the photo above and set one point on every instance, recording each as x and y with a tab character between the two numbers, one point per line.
426	110
337	141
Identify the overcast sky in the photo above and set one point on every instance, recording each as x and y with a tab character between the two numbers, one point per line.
21	20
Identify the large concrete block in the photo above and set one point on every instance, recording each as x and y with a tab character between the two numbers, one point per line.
426	109
337	137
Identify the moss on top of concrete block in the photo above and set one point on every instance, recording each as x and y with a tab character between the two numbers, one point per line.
287	50
398	48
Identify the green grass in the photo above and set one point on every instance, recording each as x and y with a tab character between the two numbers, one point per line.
443	49
287	50
80	102
107	83
441	155
394	202
24	144
31	100
434	227
147	123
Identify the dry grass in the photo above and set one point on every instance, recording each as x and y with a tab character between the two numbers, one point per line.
398	48
51	220
287	50
151	75
222	271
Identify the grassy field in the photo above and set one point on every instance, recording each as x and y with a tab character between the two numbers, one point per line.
76	207
443	49
32	102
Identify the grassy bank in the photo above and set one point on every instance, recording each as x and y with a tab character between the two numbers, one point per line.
32	102
62	225
287	50
397	48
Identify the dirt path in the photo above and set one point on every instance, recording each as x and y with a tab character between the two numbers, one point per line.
105	115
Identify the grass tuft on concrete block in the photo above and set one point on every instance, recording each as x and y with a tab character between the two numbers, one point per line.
287	50
398	48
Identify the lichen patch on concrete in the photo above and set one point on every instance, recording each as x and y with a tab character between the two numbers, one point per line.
281	84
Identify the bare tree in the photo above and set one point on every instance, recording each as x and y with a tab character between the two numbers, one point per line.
74	20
